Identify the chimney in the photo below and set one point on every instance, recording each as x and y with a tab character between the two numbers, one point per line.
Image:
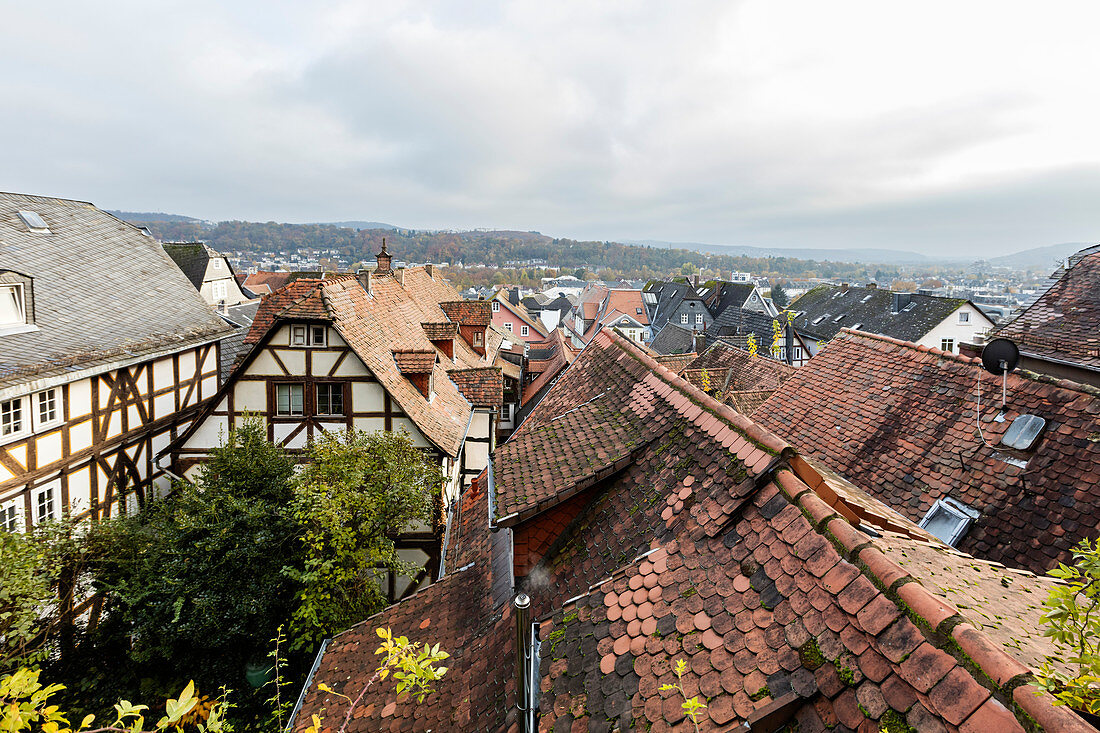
696	280
399	275
384	260
872	286
364	280
525	655
430	269
844	287
699	342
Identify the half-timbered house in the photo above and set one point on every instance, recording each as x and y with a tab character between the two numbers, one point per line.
384	350
106	353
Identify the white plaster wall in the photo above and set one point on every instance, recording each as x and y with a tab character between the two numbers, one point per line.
952	329
80	398
250	396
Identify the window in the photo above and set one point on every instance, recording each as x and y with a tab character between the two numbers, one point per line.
508	326
9	516
48	411
867	297
964	317
524	331
220	291
839	318
479	338
496	306
11	416
216	263
12	312
330	399
948	520
307	335
638	311
698	318
44	504
683	318
288	399
947	344
819	319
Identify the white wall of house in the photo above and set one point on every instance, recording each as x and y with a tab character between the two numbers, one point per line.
963	325
219	285
123	416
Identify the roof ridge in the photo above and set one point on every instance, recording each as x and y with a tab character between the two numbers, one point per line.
970	647
973	361
735	420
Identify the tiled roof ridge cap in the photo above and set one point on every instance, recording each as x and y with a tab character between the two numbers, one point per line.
764	438
973	361
972	649
466	370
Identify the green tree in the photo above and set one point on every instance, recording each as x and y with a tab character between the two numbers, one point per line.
779	296
198	576
356	493
687	269
26	597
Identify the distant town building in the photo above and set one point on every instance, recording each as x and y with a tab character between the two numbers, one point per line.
209	271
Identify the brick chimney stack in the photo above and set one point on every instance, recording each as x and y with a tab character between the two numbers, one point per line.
384	260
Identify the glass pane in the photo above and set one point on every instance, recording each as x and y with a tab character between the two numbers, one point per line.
283	402
11	305
945	525
337	399
322	399
295	399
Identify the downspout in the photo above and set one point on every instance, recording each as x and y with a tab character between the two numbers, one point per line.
527	664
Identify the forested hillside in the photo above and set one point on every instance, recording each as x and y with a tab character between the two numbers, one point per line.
496	249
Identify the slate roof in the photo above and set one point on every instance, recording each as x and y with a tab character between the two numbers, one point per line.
102	291
669	295
828	302
898	420
673	339
724	294
1063	322
708	546
192	258
389	320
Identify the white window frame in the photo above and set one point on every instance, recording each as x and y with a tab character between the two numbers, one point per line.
22	427
698	319
221	290
524	330
216	263
496	306
290	399
11	515
50	492
304	335
479	338
683	319
53	394
947	345
508	326
17	294
964	316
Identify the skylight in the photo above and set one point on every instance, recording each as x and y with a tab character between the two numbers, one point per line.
867	297
1023	432
819	319
838	318
34	222
948	520
855	326
910	307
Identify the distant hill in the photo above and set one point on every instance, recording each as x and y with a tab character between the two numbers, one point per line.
151	216
1041	258
866	256
357	224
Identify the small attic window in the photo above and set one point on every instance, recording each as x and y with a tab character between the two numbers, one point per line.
1024	432
13	311
34	222
949	520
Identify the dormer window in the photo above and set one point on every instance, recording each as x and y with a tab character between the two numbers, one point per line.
13	311
948	520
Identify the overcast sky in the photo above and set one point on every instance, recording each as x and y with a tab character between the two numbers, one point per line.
941	127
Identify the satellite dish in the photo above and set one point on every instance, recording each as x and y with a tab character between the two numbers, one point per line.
1000	356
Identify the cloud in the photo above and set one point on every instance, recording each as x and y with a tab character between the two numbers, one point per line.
755	122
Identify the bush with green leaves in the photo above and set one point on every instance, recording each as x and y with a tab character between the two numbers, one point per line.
356	493
1072	620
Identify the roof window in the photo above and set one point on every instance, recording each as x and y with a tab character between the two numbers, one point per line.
910	307
838	318
949	520
819	319
867	297
855	326
1024	432
34	222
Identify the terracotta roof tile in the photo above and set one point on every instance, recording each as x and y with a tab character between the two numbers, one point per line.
468	312
415	362
482	386
899	421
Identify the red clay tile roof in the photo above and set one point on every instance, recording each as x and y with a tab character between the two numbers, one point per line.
440	331
898	420
388	321
773	599
468	312
415	362
482	386
561	355
1062	322
676	362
